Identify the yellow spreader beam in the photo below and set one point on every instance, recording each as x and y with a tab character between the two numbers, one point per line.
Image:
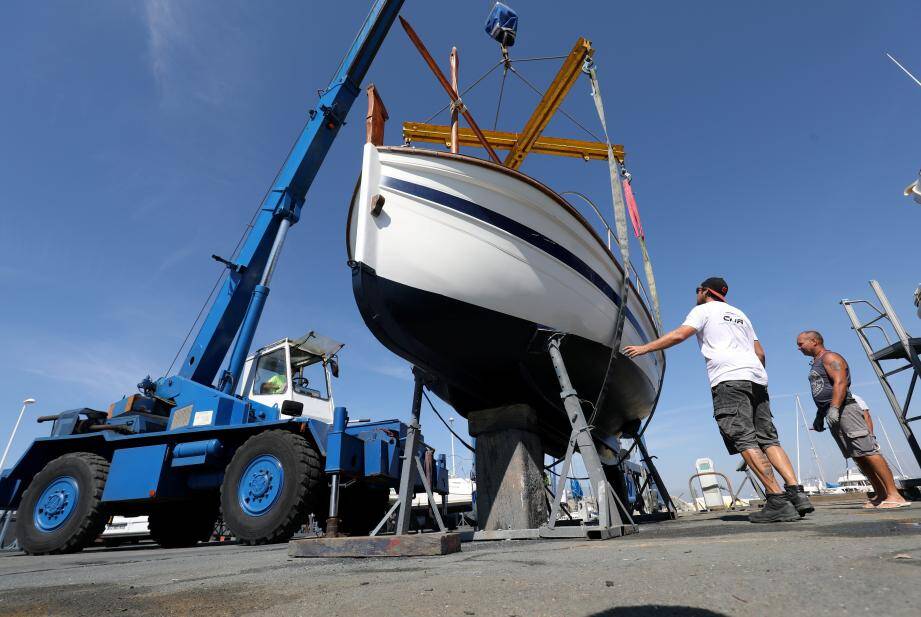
550	102
500	140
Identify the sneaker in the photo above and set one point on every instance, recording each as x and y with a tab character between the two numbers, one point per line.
799	499
777	509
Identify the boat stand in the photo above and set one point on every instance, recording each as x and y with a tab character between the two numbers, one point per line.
402	543
671	512
610	524
411	471
905	349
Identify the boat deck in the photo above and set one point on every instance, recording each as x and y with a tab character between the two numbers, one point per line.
840	560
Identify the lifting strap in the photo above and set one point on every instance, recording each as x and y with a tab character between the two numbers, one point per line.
623	200
620	227
623	197
647	263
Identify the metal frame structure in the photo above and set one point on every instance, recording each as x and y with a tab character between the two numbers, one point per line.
733	495
610	524
653	475
412	471
905	348
503	140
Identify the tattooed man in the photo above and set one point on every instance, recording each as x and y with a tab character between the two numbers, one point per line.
830	379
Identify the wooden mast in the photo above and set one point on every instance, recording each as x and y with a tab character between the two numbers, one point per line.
455	66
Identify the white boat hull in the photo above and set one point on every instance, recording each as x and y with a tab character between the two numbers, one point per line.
466	260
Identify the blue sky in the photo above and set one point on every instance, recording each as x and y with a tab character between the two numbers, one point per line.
769	145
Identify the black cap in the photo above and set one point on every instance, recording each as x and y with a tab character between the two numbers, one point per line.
717	284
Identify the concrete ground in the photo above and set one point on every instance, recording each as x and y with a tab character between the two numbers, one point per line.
841	560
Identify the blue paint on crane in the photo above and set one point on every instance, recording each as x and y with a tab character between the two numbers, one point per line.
260	484
56	503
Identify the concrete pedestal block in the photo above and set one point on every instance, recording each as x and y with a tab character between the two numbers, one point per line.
509	468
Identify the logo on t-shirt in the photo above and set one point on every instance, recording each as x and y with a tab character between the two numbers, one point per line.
817	383
733	319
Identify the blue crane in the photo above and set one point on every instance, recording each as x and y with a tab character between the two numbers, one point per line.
186	448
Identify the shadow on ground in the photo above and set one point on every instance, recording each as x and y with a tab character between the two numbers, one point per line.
658	610
871	529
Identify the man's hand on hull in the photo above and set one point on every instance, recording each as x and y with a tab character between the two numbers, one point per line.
632	351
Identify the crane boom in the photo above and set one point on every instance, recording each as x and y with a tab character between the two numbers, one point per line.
238	306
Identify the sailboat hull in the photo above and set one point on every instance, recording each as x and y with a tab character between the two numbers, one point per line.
464	262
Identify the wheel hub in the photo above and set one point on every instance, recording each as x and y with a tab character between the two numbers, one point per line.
260	485
56	503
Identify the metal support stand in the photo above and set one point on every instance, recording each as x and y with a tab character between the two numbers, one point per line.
904	348
656	478
6	517
610	524
411	471
749	477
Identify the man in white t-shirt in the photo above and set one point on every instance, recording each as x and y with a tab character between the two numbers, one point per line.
738	383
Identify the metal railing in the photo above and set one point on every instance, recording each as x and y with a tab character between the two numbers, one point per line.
634	276
733	498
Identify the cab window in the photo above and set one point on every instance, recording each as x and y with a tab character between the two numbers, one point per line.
310	380
271	373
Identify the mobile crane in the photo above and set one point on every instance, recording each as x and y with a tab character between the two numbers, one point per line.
205	441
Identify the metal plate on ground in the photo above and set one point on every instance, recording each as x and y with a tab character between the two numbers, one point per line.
413	545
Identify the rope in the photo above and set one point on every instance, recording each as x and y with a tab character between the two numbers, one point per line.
560	109
461	94
447	426
499	104
536	58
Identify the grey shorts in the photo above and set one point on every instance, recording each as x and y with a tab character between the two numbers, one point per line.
742	409
852	434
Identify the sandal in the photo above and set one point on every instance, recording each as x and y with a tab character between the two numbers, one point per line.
892	505
869	505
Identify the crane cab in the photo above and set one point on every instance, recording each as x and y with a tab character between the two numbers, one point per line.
295	376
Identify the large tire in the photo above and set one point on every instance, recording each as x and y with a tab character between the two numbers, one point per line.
361	508
272	484
61	511
180	524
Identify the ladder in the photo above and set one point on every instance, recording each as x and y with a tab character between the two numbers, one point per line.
904	349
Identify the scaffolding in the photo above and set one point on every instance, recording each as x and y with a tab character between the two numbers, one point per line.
901	348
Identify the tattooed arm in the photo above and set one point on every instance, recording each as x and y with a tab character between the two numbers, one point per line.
836	367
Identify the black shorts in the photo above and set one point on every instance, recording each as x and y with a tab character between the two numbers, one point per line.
742	409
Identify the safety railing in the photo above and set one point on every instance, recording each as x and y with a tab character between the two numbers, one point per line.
611	237
733	498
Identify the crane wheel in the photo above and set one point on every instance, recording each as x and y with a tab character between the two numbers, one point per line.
273	482
179	524
61	511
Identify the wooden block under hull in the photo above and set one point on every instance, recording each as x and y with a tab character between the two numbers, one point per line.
414	545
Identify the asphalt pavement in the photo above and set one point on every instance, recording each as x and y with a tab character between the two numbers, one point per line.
841	560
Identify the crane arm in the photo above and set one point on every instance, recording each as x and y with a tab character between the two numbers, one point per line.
236	310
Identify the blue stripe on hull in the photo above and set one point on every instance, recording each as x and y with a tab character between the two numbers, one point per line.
513	227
